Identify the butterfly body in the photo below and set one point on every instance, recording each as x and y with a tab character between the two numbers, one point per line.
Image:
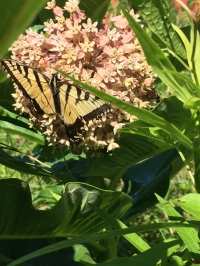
71	103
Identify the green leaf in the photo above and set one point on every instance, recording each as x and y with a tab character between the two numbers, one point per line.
172	110
4	261
158	253
16	16
82	254
160	64
95	10
133	148
27	133
196	55
13	163
71	216
133	238
185	41
189	235
189	204
48	195
6	99
103	235
192	103
181	86
36	167
157	16
140	113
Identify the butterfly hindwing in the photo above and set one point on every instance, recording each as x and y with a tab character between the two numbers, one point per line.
77	103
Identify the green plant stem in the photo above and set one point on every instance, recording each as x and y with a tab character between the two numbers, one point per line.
186	165
197	159
97	246
111	249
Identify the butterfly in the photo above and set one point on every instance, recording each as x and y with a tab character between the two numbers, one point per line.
49	96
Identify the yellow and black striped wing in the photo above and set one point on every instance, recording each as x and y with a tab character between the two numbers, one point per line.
76	103
73	104
32	83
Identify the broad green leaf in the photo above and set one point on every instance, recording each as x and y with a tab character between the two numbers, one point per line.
189	235
159	62
71	216
189	204
178	163
152	134
17	248
147	178
156	14
16	16
133	149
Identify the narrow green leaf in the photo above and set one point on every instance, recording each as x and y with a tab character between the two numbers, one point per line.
133	238
159	62
184	39
182	86
192	103
154	255
28	134
13	163
189	235
195	53
151	257
172	110
140	113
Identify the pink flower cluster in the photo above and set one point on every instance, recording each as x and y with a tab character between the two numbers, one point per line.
108	58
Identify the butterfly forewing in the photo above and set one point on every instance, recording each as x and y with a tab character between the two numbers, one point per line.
32	84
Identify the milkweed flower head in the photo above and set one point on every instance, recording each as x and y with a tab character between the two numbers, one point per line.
109	58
